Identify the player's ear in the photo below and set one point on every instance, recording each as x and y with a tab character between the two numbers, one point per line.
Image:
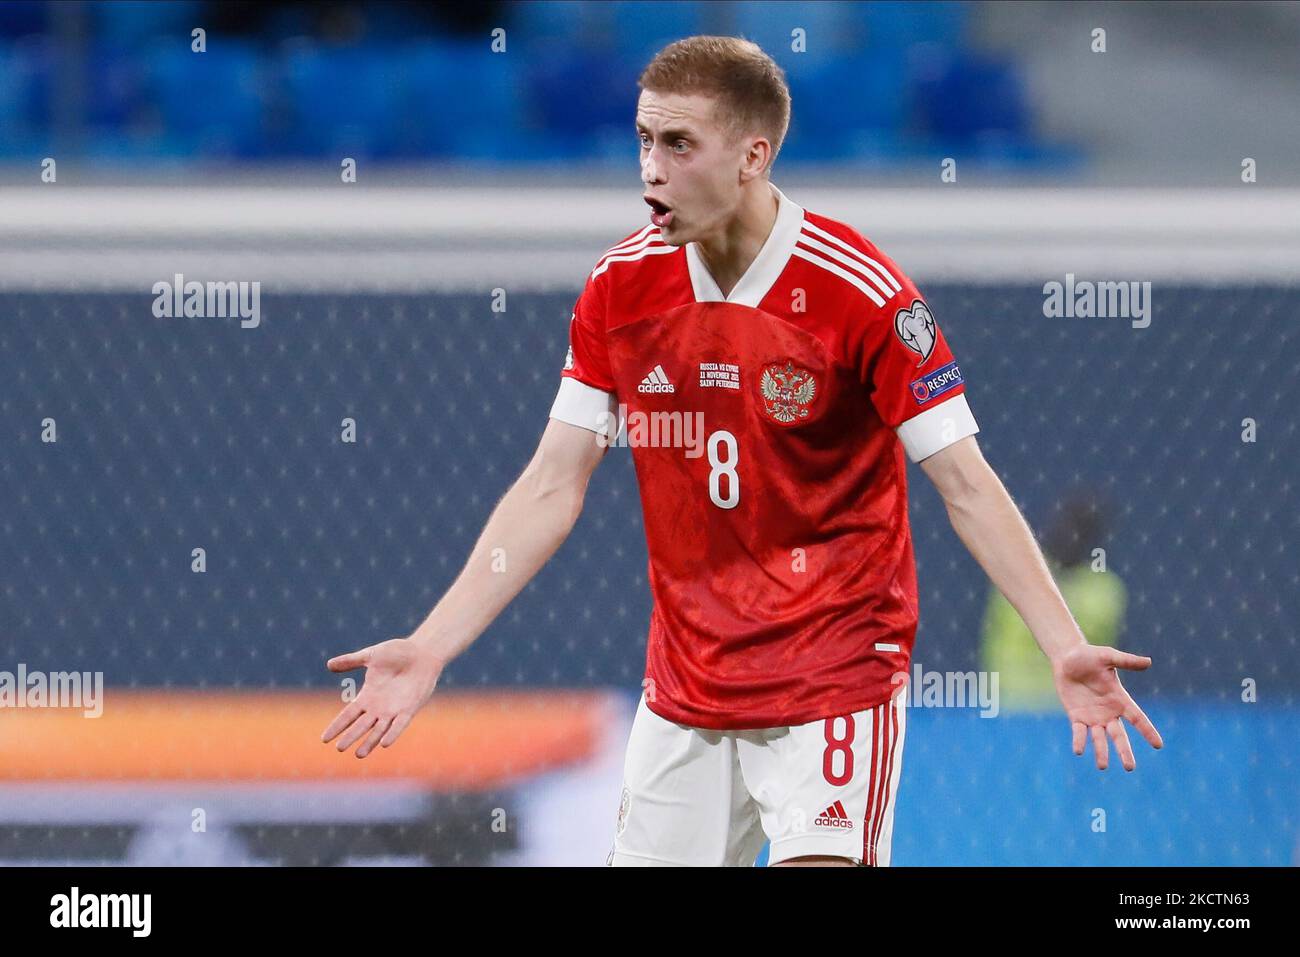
757	155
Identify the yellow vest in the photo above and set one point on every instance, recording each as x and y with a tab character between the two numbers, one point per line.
1097	601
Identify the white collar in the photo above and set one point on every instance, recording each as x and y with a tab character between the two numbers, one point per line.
763	271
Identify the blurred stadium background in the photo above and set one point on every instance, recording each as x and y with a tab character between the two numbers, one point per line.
485	178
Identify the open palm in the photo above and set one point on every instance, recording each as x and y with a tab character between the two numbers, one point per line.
400	676
1095	702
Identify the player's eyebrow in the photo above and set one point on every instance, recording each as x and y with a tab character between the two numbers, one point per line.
682	133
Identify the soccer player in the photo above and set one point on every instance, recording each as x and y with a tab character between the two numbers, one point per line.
781	566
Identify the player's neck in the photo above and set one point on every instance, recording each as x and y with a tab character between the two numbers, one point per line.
729	254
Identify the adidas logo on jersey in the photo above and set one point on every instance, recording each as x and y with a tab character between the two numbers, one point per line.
834	816
656	381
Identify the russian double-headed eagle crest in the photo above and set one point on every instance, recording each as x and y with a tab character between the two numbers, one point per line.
787	392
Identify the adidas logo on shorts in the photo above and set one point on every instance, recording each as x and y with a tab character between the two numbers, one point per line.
656	381
834	816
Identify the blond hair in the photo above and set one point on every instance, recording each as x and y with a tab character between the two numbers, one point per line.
748	87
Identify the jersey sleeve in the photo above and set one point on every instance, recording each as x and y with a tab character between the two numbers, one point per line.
586	397
915	383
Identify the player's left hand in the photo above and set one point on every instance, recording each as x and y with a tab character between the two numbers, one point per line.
1095	701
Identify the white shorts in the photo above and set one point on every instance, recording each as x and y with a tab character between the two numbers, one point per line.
699	798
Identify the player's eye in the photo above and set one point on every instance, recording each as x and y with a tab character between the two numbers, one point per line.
680	146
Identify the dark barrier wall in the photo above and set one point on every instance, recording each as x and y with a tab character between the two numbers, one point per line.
174	434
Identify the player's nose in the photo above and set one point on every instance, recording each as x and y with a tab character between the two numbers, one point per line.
650	169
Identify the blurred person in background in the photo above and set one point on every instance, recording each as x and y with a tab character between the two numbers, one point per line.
1095	596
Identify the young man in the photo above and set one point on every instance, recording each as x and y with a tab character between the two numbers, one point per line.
781	563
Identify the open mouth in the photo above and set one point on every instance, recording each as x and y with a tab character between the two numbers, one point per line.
660	213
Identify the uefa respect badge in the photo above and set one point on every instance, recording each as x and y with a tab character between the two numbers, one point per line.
936	383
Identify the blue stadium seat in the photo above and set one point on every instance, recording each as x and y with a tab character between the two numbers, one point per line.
900	24
136	22
344	100
581	91
15	79
115	88
964	95
875	80
827	26
20	18
532	24
835	95
213	101
459	99
641	28
25	72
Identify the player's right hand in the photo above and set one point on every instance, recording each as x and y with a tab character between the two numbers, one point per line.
400	677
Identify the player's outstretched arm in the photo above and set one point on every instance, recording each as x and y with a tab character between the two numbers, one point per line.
529	523
992	529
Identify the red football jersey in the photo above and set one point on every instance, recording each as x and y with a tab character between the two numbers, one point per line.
768	429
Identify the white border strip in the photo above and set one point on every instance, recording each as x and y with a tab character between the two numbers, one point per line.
408	238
